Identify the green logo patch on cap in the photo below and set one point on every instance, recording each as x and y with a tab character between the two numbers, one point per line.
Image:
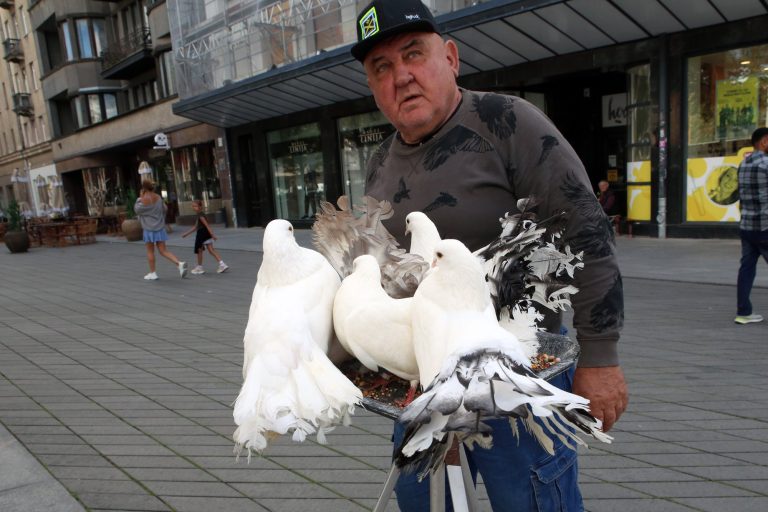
369	24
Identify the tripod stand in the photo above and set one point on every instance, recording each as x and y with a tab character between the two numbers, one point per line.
460	482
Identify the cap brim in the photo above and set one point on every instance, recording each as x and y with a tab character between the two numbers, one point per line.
361	49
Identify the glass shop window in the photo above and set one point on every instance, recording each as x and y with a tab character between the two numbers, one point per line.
359	136
727	97
296	168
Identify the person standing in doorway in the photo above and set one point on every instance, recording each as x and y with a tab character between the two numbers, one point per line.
204	240
753	227
150	209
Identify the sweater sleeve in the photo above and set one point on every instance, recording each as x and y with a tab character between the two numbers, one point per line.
546	166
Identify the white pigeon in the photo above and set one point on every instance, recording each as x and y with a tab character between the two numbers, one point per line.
476	368
290	385
521	320
424	234
374	327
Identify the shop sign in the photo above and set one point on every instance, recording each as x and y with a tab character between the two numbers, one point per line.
614	110
295	147
161	141
366	136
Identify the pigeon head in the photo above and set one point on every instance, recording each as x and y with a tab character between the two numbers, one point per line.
278	236
416	221
454	254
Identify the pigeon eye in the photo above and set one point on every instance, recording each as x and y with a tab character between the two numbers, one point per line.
439	254
290	228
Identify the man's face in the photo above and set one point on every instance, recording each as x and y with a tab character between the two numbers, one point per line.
413	80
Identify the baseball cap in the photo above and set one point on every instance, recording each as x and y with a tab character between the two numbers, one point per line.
382	19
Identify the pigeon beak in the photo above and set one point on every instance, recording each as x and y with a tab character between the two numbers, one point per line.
407	229
434	263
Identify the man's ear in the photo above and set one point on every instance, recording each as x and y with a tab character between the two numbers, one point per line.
452	54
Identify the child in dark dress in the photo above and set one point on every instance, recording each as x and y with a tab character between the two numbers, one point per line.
203	240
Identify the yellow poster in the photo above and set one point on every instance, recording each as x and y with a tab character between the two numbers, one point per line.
639	190
713	188
736	108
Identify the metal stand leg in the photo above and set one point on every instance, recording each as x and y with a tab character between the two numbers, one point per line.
463	494
389	486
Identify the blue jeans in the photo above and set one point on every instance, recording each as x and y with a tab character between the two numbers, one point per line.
518	476
753	245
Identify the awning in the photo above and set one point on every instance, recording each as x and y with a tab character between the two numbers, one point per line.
491	35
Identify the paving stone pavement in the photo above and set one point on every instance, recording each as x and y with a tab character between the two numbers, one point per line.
116	393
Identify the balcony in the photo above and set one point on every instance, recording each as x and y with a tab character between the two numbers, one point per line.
126	58
12	50
22	104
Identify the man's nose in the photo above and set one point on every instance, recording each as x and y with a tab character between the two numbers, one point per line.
403	75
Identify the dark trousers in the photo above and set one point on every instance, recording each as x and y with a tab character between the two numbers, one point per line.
753	245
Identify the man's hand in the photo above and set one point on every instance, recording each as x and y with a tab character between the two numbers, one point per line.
606	390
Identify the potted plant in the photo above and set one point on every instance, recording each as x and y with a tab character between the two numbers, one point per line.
131	225
16	239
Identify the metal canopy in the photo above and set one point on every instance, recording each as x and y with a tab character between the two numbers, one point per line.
491	35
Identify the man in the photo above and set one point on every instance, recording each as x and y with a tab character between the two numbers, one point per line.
464	157
753	195
606	197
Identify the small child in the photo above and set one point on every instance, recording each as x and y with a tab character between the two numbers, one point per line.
204	238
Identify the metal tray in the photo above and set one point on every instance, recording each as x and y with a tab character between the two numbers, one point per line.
552	344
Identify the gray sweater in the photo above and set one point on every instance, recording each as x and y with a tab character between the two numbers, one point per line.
152	216
492	151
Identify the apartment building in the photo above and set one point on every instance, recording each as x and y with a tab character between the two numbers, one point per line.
107	80
26	159
658	97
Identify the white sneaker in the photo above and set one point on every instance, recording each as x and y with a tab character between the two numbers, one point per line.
152	276
223	267
748	319
198	270
183	269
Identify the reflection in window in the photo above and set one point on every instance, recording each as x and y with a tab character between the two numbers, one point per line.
296	165
727	100
84	39
68	47
94	106
99	36
359	136
110	106
195	173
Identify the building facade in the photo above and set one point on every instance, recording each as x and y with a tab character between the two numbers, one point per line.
659	98
108	83
27	172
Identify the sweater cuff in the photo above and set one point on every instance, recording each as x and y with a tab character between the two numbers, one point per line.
599	353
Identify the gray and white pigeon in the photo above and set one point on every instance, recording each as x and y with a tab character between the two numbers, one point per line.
290	385
477	370
374	327
344	234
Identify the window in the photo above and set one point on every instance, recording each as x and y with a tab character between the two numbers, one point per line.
99	36
727	100
95	108
33	75
296	165
68	47
84	39
167	74
110	106
359	137
24	21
